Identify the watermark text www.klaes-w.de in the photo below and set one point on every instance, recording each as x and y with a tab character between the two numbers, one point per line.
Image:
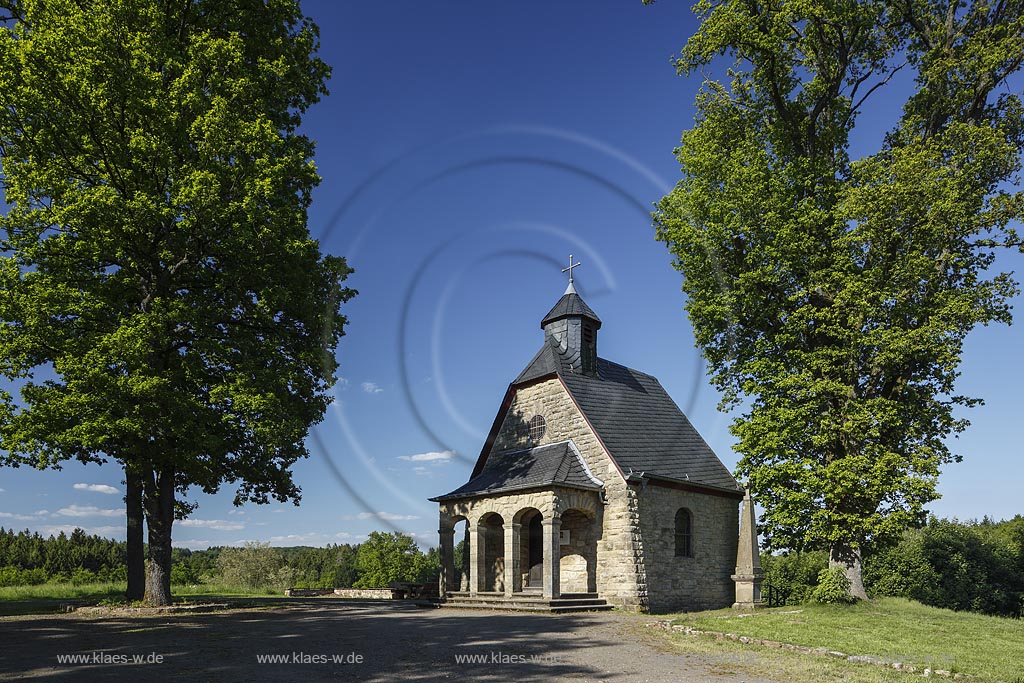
498	657
103	657
310	658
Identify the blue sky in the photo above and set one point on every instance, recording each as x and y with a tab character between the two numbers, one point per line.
466	150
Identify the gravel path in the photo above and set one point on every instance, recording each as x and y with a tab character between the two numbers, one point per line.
323	640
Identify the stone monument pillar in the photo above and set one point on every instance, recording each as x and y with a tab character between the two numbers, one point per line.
748	574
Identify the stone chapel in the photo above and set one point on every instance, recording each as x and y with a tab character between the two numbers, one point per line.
593	489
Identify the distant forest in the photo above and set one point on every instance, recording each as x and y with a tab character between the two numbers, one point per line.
28	558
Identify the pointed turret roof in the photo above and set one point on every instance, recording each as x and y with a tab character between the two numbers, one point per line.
570	305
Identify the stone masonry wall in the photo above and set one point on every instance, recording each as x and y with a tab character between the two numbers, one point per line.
616	574
688	583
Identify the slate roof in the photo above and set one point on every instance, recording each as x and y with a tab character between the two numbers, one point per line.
638	422
556	463
570	305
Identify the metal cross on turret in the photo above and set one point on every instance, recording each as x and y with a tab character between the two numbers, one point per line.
569	269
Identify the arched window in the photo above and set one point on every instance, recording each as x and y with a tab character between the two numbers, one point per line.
537	425
684	533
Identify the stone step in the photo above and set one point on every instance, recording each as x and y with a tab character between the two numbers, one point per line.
525	595
571	602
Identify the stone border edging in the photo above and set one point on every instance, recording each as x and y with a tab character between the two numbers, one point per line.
121	610
926	672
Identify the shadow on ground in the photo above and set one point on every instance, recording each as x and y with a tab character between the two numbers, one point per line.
374	643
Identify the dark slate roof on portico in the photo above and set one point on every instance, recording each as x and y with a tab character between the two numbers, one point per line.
637	421
556	463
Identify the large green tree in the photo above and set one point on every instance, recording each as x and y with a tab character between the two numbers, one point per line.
162	303
830	295
388	557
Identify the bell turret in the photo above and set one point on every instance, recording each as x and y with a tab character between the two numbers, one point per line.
571	328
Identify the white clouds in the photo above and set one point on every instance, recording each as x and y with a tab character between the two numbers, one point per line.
443	456
88	511
236	511
193	544
19	517
371	388
97	488
218	524
3	490
297	539
387	516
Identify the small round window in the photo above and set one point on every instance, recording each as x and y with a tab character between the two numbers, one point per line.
537	426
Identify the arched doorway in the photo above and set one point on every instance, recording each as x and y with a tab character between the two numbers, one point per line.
531	549
578	552
460	555
491	530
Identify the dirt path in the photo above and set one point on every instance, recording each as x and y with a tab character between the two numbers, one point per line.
348	642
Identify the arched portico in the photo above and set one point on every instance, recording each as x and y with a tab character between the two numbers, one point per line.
516	542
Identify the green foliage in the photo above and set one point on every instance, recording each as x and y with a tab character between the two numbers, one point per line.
961	566
461	558
833	588
387	557
15	576
32	558
831	296
162	302
28	559
182	574
795	575
333	566
255	566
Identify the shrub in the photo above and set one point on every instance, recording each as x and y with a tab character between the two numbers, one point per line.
10	576
182	574
833	588
33	577
960	566
794	575
81	576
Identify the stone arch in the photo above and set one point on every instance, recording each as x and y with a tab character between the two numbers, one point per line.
529	547
460	552
453	550
490	529
585	501
578	550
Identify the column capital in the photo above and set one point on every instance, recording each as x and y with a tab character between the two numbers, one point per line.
551	521
449	532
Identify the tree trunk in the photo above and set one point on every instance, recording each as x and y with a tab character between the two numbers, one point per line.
159	505
136	558
848	557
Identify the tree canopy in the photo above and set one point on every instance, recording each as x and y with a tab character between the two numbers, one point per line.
831	296
161	300
387	557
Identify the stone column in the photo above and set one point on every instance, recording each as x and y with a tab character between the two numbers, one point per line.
446	554
552	556
512	559
748	574
477	559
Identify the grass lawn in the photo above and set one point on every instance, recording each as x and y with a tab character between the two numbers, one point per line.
988	648
49	598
